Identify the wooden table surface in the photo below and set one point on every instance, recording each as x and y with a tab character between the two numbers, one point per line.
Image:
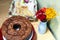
4	6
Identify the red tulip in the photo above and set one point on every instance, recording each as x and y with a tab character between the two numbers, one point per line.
43	10
41	14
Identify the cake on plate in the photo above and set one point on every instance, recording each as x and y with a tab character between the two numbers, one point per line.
18	28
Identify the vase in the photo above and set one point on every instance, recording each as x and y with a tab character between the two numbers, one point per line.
42	27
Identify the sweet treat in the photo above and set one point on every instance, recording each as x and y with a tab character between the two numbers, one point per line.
18	28
16	4
23	10
26	8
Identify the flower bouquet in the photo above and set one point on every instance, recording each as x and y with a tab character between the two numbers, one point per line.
44	15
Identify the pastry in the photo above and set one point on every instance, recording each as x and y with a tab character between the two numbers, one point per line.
18	28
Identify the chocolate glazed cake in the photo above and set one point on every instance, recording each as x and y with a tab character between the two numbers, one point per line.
18	28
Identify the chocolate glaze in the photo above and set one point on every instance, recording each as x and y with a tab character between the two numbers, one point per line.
10	34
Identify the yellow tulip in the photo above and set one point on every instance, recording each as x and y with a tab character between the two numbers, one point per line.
50	13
